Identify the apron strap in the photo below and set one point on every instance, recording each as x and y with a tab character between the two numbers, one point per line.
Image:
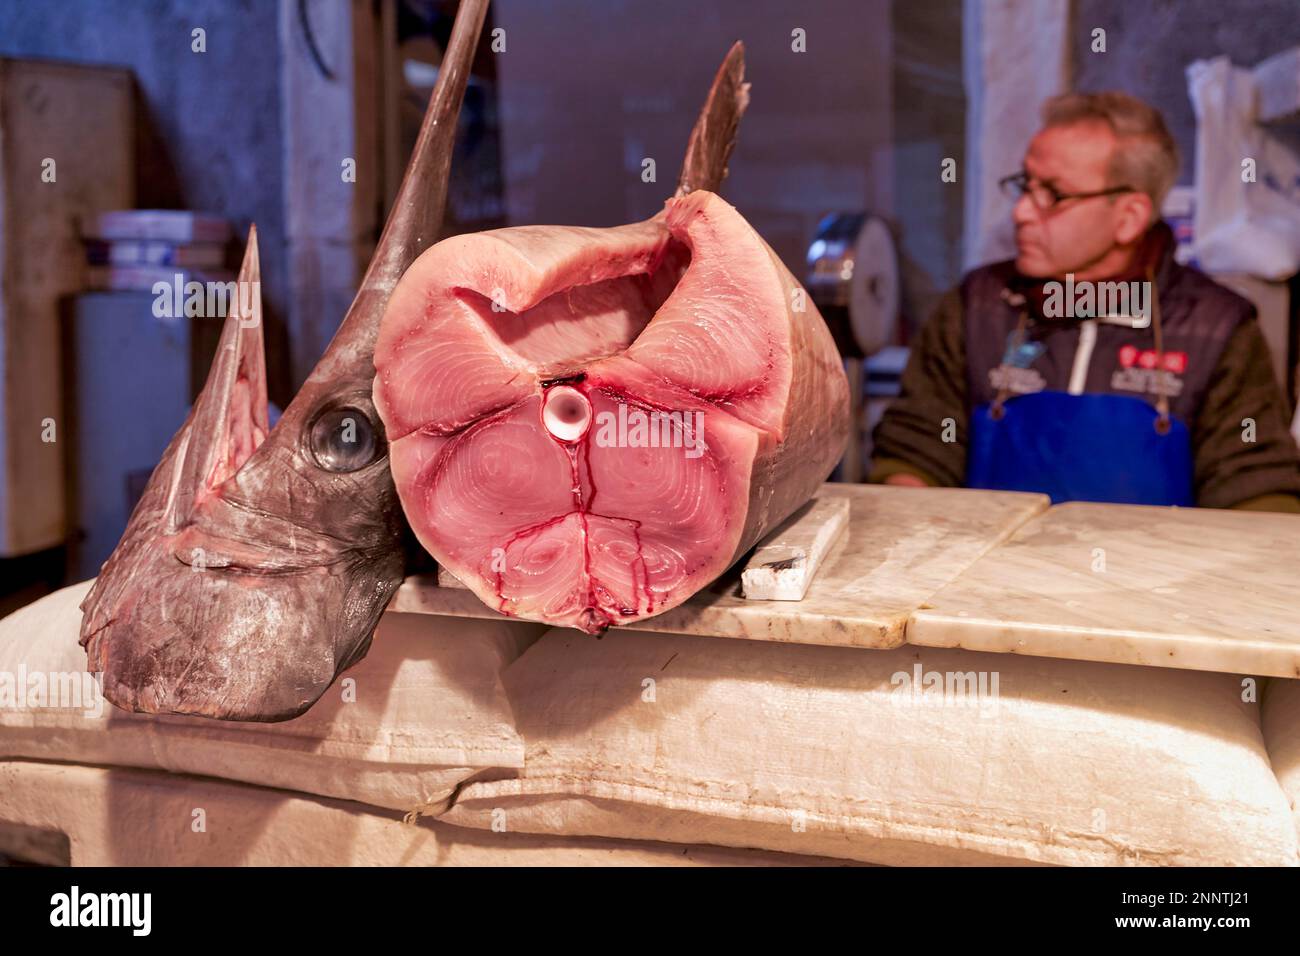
1162	397
1022	327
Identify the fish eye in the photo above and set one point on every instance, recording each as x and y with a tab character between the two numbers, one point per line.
344	438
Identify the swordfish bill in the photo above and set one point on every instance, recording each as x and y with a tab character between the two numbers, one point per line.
257	563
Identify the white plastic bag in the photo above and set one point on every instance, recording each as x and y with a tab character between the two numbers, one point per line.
1241	226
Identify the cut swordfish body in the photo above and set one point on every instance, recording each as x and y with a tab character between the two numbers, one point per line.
587	426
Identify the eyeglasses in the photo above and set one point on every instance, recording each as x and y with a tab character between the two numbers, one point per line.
1045	196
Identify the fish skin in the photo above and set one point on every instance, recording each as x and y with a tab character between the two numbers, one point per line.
298	563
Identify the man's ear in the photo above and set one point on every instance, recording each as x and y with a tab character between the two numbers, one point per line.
1134	217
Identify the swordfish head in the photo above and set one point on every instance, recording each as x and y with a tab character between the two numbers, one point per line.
258	561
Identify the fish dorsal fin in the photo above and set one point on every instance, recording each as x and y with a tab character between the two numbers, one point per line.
714	135
229	420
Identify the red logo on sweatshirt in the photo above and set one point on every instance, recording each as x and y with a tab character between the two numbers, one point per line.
1130	356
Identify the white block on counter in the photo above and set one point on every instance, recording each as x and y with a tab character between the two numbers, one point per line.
783	565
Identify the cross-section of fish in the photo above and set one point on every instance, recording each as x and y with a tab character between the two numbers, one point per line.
587	426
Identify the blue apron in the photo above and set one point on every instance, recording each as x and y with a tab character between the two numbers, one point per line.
1090	447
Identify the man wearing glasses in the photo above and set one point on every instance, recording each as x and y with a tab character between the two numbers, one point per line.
1029	378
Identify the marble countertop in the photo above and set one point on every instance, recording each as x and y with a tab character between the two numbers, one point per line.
901	546
1189	588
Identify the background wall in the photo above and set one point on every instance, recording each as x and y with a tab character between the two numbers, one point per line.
1150	44
588	90
208	124
929	115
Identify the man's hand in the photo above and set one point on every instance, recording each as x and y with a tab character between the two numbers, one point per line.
923	431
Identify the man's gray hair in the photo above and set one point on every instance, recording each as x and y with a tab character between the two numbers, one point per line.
1145	157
